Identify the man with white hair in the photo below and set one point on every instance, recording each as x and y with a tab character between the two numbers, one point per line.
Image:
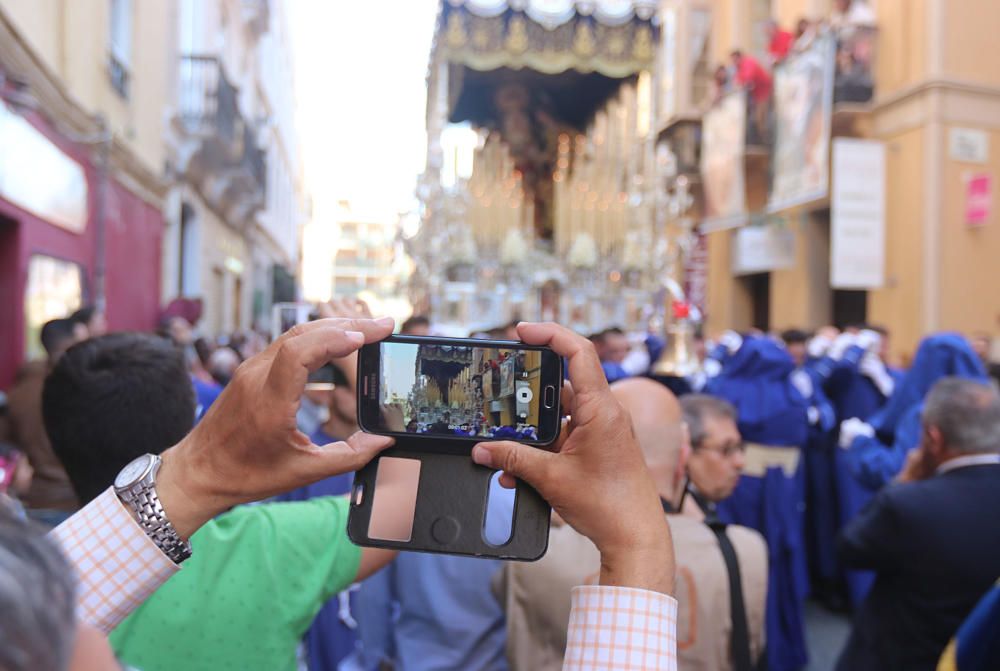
934	540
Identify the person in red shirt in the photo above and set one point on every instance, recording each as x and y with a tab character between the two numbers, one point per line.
780	42
756	79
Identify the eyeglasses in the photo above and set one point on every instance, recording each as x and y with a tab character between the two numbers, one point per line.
729	451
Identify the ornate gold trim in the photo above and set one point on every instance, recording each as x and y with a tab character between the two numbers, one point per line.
516	41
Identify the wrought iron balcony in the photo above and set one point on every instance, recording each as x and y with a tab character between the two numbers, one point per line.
218	149
208	100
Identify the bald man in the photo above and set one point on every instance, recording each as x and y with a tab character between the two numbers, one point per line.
537	596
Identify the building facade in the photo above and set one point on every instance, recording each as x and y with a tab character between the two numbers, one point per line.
364	254
236	205
883	213
81	165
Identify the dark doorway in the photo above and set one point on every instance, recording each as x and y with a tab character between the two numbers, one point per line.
849	307
759	288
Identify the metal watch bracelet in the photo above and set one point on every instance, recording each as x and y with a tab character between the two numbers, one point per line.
148	512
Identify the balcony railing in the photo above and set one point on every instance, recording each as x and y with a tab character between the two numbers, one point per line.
253	160
219	150
208	100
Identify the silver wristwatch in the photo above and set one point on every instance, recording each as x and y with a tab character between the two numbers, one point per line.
136	487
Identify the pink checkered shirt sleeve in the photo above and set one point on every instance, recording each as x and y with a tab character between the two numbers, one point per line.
117	564
621	629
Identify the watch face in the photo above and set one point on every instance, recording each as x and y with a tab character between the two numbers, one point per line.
132	472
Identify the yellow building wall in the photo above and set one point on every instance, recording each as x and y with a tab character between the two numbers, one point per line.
902	45
970	256
728	303
39	22
899	306
71	37
788	12
800	296
723	37
971	29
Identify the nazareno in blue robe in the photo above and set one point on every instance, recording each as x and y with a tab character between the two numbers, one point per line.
771	412
852	395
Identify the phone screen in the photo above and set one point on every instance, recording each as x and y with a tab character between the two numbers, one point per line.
468	391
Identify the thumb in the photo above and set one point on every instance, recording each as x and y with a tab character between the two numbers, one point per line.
530	464
350	455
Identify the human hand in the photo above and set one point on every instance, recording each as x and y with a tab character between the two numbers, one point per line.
853	428
346	307
392	415
869	340
841	344
247	447
819	345
732	341
597	480
874	369
915	468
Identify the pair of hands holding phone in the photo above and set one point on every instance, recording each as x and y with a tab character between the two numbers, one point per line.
248	447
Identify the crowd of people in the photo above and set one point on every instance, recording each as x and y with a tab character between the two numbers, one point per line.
791	464
825	427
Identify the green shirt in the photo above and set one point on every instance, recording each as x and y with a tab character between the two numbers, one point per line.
257	578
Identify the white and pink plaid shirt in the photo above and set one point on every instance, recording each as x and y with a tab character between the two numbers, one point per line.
610	628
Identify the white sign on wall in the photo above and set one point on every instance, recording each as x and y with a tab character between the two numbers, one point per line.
761	249
857	214
968	145
37	176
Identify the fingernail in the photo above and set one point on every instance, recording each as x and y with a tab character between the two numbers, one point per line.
356	336
385	321
482	456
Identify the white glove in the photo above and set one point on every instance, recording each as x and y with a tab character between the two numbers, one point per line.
819	346
636	362
872	367
813	414
732	341
851	429
711	367
801	381
869	341
843	342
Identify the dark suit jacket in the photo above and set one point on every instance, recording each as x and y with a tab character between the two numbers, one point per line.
935	546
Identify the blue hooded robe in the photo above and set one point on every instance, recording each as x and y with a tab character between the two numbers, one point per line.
851	394
874	463
822	515
771	411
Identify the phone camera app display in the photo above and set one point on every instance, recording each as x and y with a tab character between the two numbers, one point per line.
450	390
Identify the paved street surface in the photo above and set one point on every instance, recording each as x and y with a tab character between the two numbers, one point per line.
826	633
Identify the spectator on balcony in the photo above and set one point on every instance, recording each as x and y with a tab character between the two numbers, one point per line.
779	42
721	84
755	78
853	82
417	325
805	33
850	15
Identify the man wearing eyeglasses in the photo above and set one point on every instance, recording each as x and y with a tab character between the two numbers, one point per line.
717	454
714	466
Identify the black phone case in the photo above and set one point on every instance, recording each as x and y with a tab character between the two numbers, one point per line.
450	507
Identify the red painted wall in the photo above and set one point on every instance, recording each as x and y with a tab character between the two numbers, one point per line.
133	242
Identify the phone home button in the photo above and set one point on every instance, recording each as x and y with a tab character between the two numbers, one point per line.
445	530
550	396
